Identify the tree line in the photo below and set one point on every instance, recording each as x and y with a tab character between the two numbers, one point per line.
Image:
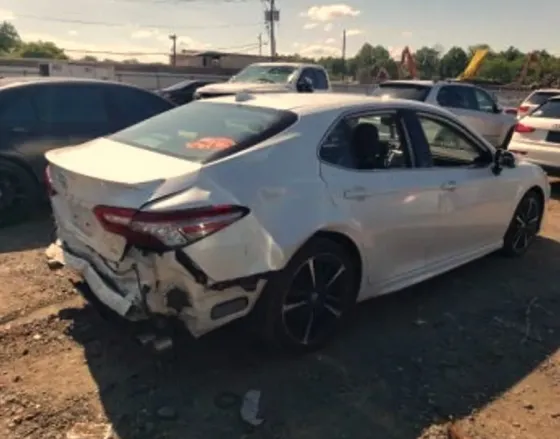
500	67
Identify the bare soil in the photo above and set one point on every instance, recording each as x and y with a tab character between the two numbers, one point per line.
473	354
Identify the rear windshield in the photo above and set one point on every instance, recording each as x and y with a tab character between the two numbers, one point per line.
550	110
540	97
203	131
414	92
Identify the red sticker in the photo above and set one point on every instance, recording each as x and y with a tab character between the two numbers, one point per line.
211	143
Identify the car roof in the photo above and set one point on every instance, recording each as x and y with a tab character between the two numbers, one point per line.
16	81
425	82
285	64
308	103
547	90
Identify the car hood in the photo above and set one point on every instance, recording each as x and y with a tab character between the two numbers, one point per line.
236	87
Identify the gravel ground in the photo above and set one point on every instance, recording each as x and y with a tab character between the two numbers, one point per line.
473	354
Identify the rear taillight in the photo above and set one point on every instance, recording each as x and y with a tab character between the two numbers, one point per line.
521	128
167	230
523	109
48	182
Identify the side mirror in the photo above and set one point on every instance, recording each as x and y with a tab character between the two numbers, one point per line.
497	109
304	85
503	159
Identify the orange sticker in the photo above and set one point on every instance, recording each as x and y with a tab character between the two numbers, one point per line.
211	143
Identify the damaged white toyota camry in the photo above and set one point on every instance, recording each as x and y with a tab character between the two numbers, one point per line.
291	207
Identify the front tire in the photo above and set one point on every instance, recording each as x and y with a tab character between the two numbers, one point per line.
524	225
302	308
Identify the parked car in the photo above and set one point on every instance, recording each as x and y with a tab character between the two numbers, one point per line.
537	136
536	99
271	77
472	104
291	207
183	92
38	114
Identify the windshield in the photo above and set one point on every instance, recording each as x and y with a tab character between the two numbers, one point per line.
541	97
274	74
550	110
202	130
414	92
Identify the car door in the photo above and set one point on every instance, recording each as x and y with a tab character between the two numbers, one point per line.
77	110
130	105
24	131
393	209
475	204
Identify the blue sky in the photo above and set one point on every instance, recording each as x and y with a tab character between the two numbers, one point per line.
309	27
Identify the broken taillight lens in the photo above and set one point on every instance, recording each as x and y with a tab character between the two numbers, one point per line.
167	230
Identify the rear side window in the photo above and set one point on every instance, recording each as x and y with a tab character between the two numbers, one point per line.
133	105
540	97
414	92
203	131
320	81
71	104
550	110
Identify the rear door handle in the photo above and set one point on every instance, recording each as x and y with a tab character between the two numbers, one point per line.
449	185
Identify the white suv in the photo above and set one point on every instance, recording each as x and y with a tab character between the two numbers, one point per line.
536	99
472	104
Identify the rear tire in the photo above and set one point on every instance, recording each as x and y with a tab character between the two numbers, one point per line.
302	307
524	225
19	193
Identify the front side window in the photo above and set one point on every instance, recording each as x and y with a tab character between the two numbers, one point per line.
485	102
274	74
204	130
448	146
366	142
459	97
321	82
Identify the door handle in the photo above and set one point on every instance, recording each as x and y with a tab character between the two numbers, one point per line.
449	185
356	193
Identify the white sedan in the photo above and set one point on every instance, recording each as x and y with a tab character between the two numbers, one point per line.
292	207
537	136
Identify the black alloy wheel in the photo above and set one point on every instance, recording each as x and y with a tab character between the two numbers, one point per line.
304	306
524	226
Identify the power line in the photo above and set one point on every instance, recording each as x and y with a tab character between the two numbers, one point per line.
112	24
243	48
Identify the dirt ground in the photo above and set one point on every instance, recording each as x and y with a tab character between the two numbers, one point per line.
473	354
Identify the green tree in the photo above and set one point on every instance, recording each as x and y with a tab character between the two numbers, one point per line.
453	62
427	62
9	38
41	49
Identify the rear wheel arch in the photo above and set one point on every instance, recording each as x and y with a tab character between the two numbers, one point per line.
21	164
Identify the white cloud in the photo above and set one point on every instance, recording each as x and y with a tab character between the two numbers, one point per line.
73	33
328	27
330	12
318	50
354	32
406	34
330	41
142	34
6	15
311	25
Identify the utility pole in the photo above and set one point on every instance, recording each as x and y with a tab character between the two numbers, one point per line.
260	44
173	50
344	53
271	16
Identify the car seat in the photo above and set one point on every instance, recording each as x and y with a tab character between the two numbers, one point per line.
368	151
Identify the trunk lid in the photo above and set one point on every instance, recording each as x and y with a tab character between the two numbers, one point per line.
105	172
229	88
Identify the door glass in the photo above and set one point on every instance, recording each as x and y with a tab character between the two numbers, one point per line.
484	101
448	146
366	142
457	97
133	106
320	80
